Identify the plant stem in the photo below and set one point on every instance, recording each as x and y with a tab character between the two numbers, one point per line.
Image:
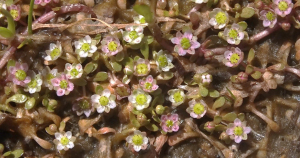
30	17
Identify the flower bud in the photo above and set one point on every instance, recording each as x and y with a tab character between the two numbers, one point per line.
209	126
159	109
242	77
224	136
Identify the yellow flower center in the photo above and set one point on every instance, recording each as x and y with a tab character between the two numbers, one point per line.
198	108
141	99
142	69
221	18
233	33
234	58
21	75
112	46
74	72
103	100
178	97
238	131
283	5
64	141
162	61
32	83
270	16
14	13
185	43
54	53
133	34
169	123
85	47
137	139
63	84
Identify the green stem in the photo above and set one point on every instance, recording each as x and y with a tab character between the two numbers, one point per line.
30	17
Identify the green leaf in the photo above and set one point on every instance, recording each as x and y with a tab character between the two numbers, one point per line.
152	127
120	56
249	69
165	76
217	119
247	12
133	120
98	89
90	67
7	153
251	55
241	116
230	117
220	128
144	10
6	33
116	66
256	75
30	103
155	117
17	98
79	82
203	91
145	49
100	76
17	153
243	25
219	103
11	23
150	39
214	94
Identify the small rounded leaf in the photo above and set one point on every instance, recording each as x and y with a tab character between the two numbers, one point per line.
17	98
247	12
100	76
30	103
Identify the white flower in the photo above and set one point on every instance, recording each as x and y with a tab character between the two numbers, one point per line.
103	102
54	52
164	61
35	84
48	75
197	109
3	5
218	18
140	99
140	20
138	140
176	96
133	34
73	71
64	141
85	47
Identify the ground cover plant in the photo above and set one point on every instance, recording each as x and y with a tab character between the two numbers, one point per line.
149	78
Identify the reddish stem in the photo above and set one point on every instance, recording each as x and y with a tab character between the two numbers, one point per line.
263	34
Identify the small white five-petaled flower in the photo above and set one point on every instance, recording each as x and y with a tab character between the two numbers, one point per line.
64	140
85	47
